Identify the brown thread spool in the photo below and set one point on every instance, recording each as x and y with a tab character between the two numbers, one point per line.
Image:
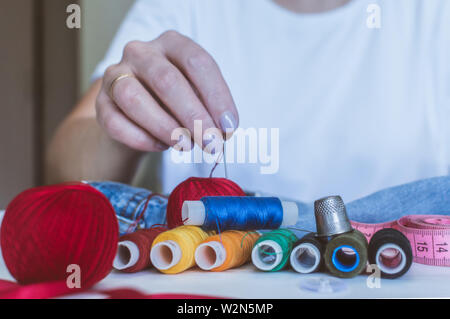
133	252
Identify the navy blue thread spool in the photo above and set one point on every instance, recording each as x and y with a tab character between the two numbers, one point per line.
239	213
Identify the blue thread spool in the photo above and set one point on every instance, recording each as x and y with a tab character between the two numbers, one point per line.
239	213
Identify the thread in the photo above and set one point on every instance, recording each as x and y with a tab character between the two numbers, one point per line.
307	254
240	213
46	229
195	188
391	251
174	251
227	250
133	251
346	254
272	250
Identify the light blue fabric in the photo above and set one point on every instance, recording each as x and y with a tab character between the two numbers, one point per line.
128	203
429	196
426	197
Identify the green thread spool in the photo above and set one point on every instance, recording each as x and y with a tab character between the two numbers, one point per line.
272	250
346	254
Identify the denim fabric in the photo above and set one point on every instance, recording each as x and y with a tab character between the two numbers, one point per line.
129	202
426	197
429	196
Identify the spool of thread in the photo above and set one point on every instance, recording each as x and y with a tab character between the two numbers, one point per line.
133	252
391	251
272	250
307	255
239	213
46	229
174	251
194	189
346	254
427	234
227	250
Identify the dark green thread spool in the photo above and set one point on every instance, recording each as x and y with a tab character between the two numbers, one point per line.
346	254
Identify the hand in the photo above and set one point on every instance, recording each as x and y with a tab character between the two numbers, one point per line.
170	83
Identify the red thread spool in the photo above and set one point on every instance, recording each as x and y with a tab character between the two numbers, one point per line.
143	240
196	188
45	229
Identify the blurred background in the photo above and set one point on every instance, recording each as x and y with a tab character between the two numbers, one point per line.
44	69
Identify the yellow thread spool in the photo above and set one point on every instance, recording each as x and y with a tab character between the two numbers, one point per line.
228	250
173	251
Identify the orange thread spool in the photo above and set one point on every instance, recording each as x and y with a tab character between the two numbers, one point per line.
227	250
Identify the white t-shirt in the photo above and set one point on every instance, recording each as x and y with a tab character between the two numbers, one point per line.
358	109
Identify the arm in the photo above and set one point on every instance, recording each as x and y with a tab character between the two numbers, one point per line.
79	147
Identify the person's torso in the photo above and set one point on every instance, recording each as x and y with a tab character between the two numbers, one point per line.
357	108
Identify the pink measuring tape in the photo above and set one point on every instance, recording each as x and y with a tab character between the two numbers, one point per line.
429	236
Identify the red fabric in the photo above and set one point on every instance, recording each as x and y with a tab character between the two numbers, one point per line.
11	290
134	294
45	290
195	188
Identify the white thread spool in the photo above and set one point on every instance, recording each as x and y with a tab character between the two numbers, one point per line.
194	213
165	255
210	255
305	258
127	255
266	255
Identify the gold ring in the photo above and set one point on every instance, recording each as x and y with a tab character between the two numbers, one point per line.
117	79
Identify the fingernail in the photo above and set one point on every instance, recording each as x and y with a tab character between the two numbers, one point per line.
228	122
207	139
212	142
184	144
161	146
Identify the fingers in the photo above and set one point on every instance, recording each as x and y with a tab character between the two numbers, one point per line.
121	129
204	73
171	88
162	85
139	106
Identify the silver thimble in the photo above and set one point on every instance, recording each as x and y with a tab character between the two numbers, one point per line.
331	216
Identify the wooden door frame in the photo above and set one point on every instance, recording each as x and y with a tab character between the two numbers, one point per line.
38	85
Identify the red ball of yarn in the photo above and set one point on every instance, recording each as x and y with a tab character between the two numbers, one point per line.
195	188
46	229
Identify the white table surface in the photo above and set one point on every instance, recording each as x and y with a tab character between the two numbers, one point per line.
246	282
